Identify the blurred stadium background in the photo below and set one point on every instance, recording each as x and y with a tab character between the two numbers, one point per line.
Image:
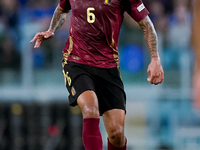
34	112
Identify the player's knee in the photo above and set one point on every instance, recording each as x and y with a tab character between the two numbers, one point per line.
91	112
117	134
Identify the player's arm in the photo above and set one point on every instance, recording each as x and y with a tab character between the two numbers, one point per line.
57	21
155	70
150	36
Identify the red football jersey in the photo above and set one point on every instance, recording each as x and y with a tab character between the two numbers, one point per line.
95	27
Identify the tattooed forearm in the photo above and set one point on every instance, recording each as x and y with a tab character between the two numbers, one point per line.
150	36
58	19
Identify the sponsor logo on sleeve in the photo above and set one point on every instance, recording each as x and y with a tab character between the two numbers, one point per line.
141	7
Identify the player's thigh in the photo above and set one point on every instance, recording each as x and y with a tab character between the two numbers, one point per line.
114	121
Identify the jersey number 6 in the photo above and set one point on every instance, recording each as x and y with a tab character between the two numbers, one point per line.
90	15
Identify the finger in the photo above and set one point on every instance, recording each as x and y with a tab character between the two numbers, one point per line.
149	75
35	37
150	79
37	43
160	79
155	80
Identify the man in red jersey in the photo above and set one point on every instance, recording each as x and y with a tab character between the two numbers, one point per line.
90	63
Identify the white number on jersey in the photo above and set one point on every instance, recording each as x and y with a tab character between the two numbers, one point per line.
90	15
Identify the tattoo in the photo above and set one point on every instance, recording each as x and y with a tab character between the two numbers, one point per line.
150	36
58	19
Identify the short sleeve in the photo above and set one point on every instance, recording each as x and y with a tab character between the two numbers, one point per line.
65	4
136	9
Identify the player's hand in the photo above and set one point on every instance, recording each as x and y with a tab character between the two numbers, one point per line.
41	36
155	72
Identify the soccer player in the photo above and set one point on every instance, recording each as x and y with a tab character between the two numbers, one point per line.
91	63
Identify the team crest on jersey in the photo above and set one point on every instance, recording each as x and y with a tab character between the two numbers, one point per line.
107	1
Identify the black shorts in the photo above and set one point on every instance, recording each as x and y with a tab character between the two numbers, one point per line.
106	83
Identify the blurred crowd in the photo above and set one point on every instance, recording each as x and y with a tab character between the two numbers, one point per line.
172	20
19	21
